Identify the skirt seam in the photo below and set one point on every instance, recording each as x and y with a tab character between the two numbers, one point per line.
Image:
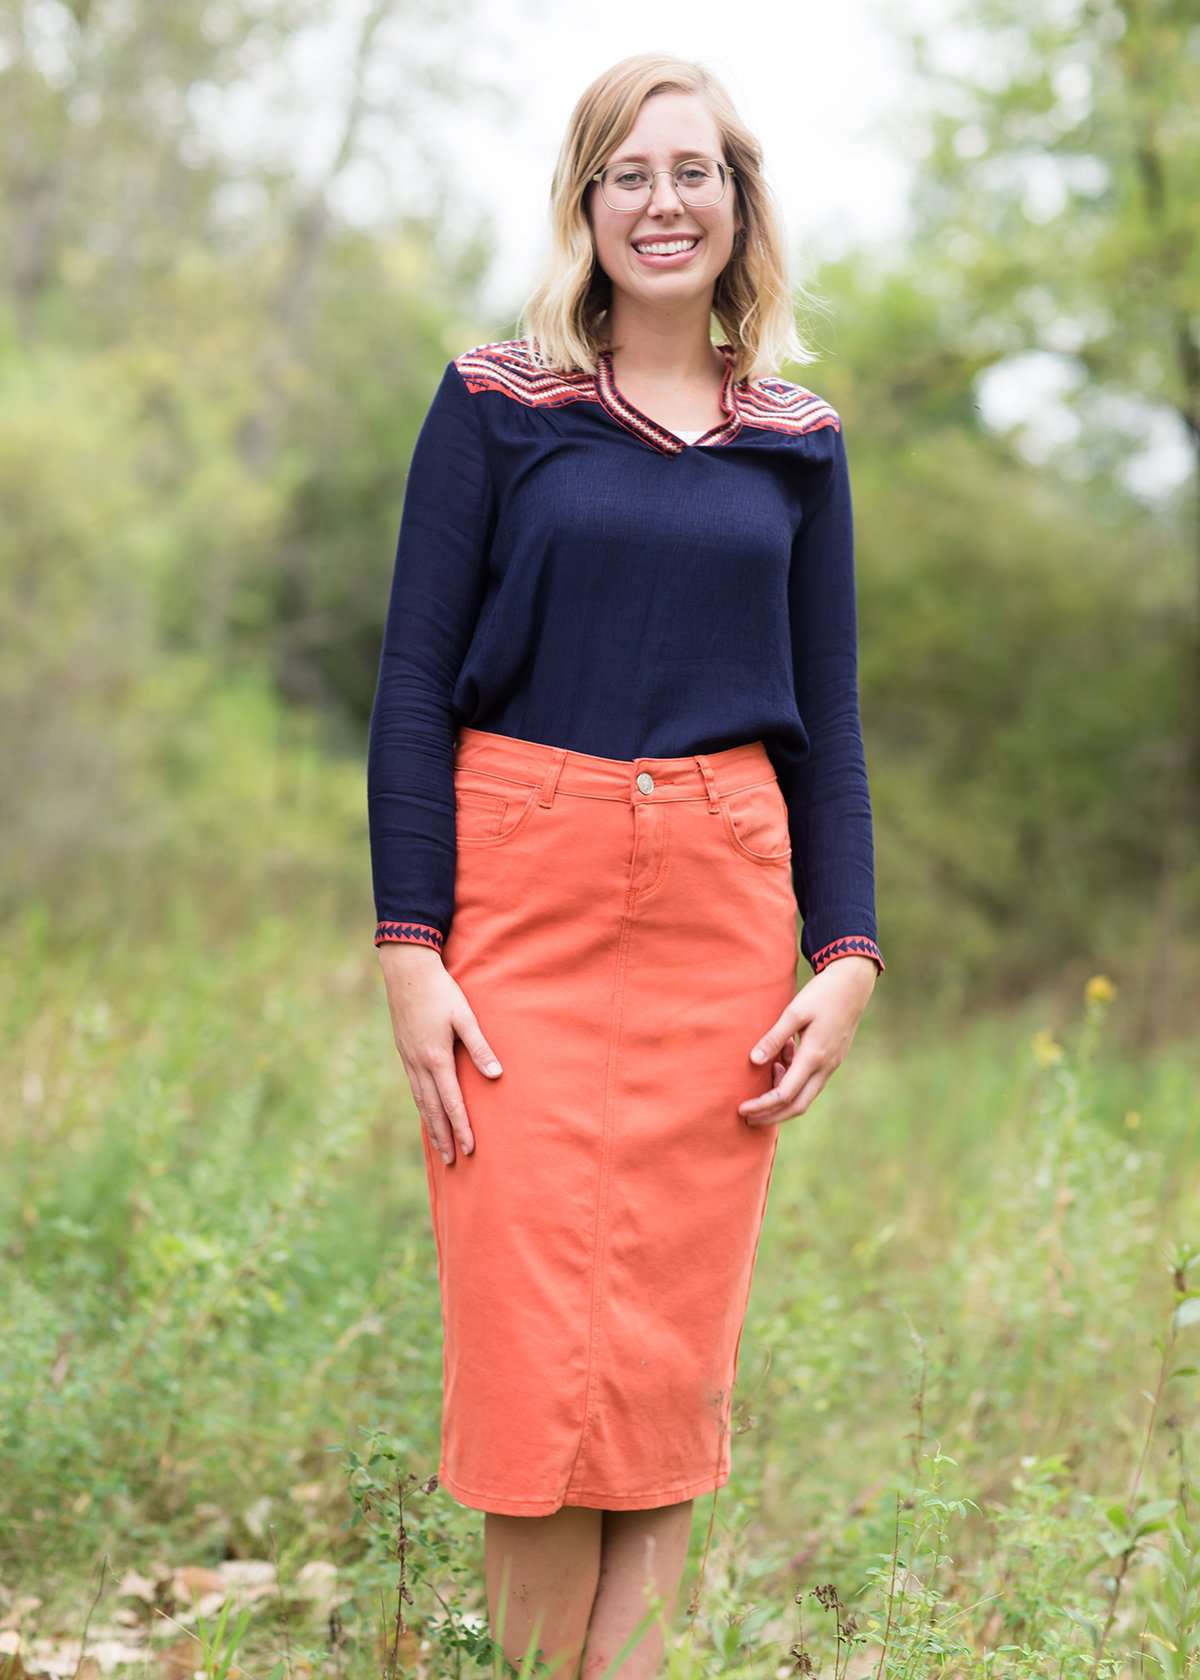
601	1253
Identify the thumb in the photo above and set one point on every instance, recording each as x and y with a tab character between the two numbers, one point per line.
478	1048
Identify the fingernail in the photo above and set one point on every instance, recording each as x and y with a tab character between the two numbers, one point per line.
446	1156
758	1054
493	1067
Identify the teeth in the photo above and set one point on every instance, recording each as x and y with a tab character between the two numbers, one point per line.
665	249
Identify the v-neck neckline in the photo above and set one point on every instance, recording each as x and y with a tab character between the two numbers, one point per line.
650	431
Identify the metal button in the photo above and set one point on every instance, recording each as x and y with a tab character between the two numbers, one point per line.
645	781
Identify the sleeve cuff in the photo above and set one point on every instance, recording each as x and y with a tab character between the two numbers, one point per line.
855	945
408	933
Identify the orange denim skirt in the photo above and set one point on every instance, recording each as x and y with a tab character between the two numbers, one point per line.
624	931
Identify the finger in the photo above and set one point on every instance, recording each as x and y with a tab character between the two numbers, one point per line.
478	1048
779	1069
773	1040
433	1117
813	1087
446	1078
770	1107
792	1097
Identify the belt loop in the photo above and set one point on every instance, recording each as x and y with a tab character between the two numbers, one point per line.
550	779
710	781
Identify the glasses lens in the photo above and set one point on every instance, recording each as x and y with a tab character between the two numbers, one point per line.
626	187
700	181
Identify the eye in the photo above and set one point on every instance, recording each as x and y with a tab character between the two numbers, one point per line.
629	178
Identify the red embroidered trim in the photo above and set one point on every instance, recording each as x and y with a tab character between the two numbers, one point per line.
623	411
855	945
767	403
508	366
407	933
779	405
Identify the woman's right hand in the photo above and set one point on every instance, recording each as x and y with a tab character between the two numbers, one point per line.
428	1009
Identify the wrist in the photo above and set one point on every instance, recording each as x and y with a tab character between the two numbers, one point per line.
864	968
394	951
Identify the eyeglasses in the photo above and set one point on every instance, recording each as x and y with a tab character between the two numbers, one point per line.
698	181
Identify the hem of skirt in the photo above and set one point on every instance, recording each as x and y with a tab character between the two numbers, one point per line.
504	1505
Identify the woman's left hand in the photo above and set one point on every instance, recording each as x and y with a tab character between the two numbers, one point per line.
826	1013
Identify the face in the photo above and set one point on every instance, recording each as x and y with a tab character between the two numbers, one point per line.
670	127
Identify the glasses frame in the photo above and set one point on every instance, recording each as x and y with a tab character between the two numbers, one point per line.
726	169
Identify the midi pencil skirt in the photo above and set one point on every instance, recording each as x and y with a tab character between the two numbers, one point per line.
624	931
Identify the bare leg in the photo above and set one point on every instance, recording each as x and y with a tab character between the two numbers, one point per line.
554	1565
642	1551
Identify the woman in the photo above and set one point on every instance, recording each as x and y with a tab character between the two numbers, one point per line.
615	749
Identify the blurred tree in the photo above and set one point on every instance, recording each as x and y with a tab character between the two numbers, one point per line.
291	299
107	169
1062	182
1020	717
1061	187
136	138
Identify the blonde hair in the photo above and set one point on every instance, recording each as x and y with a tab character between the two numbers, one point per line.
564	318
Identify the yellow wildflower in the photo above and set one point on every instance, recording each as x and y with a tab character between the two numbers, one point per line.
1046	1048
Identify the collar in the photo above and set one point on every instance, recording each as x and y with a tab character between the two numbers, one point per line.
623	411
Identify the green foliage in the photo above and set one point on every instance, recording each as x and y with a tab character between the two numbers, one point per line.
392	1503
1173	1622
221	1642
219	1286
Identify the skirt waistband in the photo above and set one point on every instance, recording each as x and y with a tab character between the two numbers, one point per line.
634	780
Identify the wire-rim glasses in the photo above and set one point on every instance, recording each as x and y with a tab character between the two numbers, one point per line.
699	182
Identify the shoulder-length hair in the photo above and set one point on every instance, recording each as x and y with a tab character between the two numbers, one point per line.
564	318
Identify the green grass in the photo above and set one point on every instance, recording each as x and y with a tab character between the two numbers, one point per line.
965	1396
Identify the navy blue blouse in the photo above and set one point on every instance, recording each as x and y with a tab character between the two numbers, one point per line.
569	571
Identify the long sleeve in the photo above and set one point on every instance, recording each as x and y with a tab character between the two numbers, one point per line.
437	588
829	802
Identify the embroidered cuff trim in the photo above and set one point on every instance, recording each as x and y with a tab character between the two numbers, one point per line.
408	933
855	945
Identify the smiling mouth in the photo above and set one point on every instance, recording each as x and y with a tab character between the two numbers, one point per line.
666	250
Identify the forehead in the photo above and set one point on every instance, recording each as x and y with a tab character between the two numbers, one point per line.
670	125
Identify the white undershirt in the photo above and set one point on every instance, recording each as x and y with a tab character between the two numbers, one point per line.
690	437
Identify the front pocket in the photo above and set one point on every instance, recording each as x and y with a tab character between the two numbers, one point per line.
756	822
488	809
478	816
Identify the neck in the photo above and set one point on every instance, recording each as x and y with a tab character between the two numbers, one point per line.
668	348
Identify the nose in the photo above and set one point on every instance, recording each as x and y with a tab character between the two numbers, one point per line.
663	193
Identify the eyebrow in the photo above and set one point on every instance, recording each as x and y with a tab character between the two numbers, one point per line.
680	152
